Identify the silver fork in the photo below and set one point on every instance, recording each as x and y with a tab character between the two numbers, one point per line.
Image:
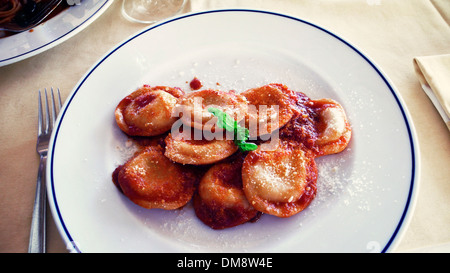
37	243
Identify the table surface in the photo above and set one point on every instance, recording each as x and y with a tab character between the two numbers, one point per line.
392	33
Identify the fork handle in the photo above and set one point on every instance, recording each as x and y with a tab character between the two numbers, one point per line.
37	242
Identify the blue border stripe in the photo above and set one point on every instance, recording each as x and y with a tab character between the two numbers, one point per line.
410	134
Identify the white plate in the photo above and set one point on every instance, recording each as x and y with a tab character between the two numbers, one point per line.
365	194
52	32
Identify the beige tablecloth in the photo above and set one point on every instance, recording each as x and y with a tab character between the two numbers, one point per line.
391	32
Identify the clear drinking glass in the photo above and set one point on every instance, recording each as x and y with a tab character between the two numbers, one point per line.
150	11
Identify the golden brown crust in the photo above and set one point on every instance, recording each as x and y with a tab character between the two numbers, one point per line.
220	202
281	182
334	130
193	107
197	152
320	126
261	119
278	178
151	180
147	111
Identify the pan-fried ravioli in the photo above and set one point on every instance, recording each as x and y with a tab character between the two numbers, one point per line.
320	126
281	182
148	111
183	156
270	107
193	107
221	202
151	180
184	148
334	131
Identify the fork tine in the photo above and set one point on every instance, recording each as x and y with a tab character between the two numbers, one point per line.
59	100
53	108
47	114
40	124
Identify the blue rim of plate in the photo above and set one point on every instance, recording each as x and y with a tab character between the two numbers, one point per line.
414	152
55	41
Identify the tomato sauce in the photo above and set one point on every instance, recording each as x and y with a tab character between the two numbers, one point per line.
195	84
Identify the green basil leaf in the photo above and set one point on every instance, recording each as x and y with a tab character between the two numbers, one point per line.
241	134
247	146
223	120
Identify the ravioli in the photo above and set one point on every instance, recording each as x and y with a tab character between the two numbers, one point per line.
184	148
221	202
184	157
334	131
151	180
270	107
281	182
319	125
148	111
193	108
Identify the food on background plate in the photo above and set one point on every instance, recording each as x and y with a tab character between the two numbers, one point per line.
233	177
19	12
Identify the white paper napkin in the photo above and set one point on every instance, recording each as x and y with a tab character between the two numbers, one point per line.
434	76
